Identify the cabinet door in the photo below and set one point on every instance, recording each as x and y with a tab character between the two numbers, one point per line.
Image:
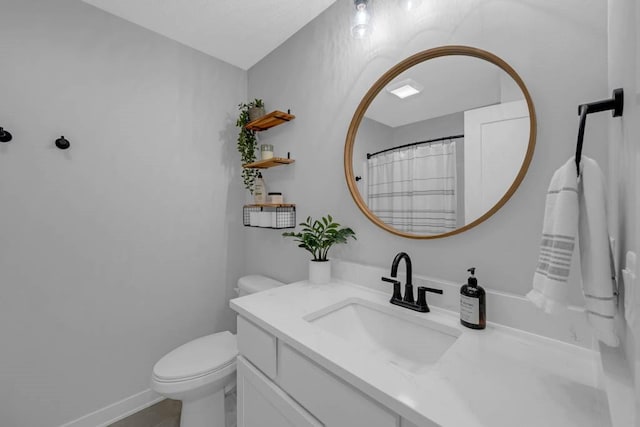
263	404
258	346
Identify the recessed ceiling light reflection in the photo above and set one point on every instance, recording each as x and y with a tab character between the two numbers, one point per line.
405	88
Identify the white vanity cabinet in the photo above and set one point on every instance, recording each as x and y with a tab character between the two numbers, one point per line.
261	403
278	386
298	369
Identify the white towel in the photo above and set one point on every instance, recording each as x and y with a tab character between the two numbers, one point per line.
598	279
559	231
577	207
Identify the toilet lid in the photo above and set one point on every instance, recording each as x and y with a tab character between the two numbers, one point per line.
198	357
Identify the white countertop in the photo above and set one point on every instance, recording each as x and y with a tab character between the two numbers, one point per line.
494	377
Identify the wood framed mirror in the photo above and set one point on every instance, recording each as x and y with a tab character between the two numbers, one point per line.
440	142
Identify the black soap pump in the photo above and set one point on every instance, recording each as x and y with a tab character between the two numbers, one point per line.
473	303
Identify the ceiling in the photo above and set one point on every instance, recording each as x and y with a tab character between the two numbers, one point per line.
238	32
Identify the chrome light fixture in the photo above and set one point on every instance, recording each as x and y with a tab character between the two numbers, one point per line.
361	21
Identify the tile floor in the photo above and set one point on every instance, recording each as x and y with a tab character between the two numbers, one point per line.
163	414
167	414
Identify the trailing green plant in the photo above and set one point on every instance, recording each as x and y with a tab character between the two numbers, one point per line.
247	143
318	236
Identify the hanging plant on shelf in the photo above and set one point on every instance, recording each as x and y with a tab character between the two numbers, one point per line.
247	142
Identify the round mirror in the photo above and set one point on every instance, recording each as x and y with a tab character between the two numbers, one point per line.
440	142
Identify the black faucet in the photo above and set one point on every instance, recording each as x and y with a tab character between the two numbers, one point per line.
408	301
408	287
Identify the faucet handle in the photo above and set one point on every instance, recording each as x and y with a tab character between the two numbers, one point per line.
397	295
422	298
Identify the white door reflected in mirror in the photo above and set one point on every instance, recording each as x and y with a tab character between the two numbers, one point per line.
496	142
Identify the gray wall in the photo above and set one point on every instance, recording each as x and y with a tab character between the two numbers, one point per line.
624	152
372	136
321	73
125	246
437	127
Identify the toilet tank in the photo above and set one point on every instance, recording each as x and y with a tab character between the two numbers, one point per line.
255	283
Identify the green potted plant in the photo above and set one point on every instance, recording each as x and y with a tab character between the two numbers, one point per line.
248	142
317	237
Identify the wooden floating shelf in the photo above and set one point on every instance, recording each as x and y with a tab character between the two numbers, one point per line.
268	163
270	120
271	205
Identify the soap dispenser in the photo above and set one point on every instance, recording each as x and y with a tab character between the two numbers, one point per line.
473	303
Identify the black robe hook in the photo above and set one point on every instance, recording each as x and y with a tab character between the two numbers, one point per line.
62	143
5	136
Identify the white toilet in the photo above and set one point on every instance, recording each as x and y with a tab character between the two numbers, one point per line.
200	372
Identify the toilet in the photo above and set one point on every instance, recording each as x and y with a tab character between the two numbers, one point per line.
202	371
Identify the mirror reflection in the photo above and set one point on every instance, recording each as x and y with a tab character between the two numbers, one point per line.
441	145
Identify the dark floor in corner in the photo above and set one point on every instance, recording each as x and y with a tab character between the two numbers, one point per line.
163	414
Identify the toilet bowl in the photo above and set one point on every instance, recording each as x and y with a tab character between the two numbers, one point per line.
200	372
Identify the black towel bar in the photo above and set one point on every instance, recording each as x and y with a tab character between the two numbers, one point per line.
615	103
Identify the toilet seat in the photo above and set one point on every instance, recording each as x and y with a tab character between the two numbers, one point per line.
201	372
199	358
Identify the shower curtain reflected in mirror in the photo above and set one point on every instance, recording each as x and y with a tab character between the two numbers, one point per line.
413	189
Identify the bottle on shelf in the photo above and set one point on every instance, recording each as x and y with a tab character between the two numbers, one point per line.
259	190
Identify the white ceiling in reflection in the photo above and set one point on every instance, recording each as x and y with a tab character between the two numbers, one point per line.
451	84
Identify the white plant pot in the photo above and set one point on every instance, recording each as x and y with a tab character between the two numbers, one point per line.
320	272
255	113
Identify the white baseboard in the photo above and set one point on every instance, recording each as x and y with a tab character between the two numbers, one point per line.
117	411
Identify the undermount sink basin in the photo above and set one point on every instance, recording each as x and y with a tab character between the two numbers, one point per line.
410	342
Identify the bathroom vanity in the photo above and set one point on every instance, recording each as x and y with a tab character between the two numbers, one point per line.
341	355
